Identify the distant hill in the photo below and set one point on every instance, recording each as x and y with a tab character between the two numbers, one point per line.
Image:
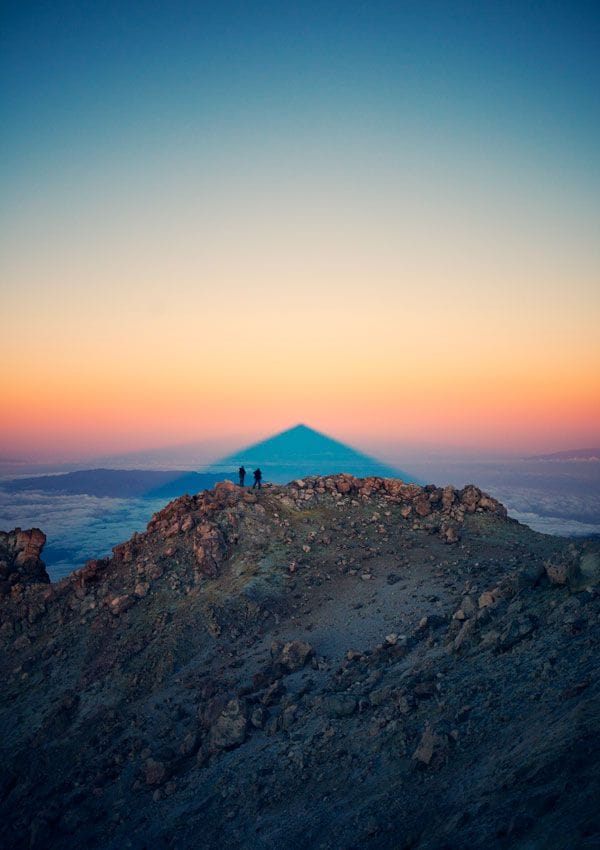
118	483
571	454
302	451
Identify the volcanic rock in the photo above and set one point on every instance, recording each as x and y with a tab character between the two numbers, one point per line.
563	566
292	655
229	729
193	688
20	561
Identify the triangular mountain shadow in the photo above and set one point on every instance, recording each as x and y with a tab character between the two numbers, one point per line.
302	451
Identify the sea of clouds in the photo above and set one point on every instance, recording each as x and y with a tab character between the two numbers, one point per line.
77	527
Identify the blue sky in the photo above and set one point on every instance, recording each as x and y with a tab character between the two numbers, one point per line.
90	76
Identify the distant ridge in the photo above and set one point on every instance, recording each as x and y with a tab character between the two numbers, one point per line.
301	451
117	483
570	454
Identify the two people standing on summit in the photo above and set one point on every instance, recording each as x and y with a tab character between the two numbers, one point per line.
257	477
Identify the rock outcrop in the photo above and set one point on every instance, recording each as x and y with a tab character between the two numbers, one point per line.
405	663
20	562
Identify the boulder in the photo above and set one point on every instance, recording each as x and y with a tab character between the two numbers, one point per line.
155	772
422	505
589	569
292	655
229	730
450	532
20	561
469	497
487	599
120	604
432	747
562	567
344	486
448	497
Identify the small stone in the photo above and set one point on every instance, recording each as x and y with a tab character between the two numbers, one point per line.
339	705
188	523
353	655
273	693
562	567
155	772
450	533
468	606
291	656
189	744
230	728
119	604
288	717
486	599
431	746
465	632
259	717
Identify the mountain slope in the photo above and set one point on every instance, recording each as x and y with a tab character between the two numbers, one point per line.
301	451
340	663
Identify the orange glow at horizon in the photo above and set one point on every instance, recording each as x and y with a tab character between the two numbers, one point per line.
390	312
96	397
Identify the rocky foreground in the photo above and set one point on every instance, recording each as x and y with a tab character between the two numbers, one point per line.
338	663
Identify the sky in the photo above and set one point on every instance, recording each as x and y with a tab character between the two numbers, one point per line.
220	219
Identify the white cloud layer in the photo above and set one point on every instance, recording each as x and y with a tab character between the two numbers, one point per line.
77	527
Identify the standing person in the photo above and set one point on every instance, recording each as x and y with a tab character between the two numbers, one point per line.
242	474
257	478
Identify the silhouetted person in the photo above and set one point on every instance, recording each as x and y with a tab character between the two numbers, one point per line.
257	478
242	474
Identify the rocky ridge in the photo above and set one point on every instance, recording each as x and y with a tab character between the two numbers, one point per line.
404	663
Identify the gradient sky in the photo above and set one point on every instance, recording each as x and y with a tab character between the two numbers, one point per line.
382	219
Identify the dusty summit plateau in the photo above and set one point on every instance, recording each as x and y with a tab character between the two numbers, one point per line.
336	663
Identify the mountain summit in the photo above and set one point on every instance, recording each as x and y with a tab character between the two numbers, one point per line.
337	663
301	451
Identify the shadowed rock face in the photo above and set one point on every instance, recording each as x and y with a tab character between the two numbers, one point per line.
20	562
335	663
